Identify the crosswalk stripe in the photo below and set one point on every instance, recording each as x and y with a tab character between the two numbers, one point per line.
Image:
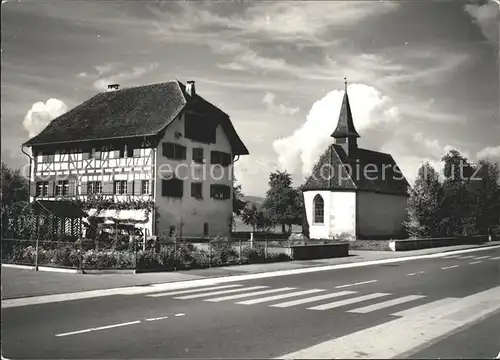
466	257
495	258
347	301
238	296
451	256
192	290
187	297
386	304
312	299
278	297
475	262
482	257
426	307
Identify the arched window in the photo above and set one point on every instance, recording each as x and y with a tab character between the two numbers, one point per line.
319	209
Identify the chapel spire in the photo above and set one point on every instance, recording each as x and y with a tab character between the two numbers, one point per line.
345	133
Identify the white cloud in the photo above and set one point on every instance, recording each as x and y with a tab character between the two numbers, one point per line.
487	17
489	152
41	114
270	100
300	151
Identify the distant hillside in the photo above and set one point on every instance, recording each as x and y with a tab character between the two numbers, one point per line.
257	200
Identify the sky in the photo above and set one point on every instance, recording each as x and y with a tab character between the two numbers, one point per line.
423	76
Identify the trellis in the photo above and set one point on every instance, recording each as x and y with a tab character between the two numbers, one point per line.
51	220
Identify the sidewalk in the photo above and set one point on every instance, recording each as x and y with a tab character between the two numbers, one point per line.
17	283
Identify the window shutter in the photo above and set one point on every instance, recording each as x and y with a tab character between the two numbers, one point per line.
182	152
33	186
50	191
212	191
130	188
213	157
72	187
138	187
151	187
180	187
168	150
83	188
164	187
107	188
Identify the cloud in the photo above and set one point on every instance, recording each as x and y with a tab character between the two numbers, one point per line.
270	100
489	152
123	76
487	17
300	151
41	114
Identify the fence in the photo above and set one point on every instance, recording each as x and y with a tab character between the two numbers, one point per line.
155	255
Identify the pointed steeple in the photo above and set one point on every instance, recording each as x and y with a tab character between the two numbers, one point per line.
345	134
345	126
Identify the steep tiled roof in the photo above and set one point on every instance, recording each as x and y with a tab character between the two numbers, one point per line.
130	112
365	170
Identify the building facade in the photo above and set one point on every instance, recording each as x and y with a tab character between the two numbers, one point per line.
160	143
354	193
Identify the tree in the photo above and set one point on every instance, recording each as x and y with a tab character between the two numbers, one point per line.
457	205
424	204
254	217
238	203
283	202
14	195
486	187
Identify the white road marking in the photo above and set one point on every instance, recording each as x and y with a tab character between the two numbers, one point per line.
495	258
451	257
359	283
157	318
482	257
193	290
421	272
347	301
438	304
189	284
394	338
278	297
449	267
386	304
195	296
98	328
475	262
466	257
180	314
411	274
312	299
238	296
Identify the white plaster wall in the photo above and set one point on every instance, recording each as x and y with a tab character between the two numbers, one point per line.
188	214
381	214
340	214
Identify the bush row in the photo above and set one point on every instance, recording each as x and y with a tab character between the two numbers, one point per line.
163	257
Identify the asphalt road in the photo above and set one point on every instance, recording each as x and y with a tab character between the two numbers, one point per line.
268	325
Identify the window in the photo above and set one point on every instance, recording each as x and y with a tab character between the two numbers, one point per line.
137	152
198	155
197	190
174	151
130	151
219	157
94	187
172	188
145	190
62	188
48	157
120	187
200	128
121	153
95	154
205	229
42	188
220	192
319	209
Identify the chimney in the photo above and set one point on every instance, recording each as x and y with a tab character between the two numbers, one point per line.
112	87
190	89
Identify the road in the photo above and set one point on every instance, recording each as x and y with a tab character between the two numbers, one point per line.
430	308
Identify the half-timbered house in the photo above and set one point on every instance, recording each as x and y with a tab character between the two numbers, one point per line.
161	142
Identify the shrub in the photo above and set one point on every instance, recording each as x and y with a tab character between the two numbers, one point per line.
253	255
